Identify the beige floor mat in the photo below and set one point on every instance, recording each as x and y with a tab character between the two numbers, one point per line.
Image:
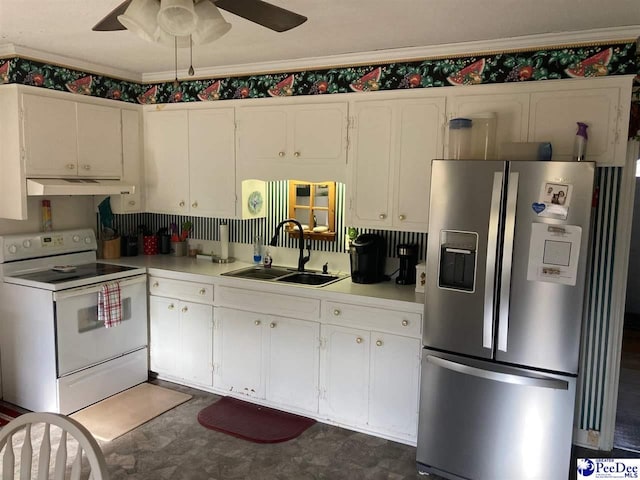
127	410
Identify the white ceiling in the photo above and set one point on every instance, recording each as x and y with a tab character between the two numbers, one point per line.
335	27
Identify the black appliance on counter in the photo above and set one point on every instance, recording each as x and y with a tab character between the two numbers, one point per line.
367	254
408	255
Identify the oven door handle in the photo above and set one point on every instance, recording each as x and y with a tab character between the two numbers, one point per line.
74	292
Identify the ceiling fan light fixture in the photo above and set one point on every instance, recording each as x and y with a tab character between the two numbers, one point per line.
177	17
140	17
167	40
211	25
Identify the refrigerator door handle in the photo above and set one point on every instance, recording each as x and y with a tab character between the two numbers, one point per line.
507	260
490	273
524	380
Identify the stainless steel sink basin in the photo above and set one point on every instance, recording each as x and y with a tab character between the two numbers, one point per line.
285	275
309	278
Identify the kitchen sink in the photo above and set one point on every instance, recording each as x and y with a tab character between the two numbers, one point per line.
285	275
259	273
309	278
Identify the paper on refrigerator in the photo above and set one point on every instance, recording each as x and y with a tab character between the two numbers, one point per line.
554	251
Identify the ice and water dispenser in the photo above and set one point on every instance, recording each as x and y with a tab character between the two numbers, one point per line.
457	260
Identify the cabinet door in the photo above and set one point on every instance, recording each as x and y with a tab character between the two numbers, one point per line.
394	384
511	110
371	172
167	161
344	373
99	141
212	162
196	360
554	115
50	136
132	164
320	133
292	367
418	141
164	319
238	351
263	133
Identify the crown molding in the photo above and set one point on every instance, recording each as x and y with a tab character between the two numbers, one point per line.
527	42
73	63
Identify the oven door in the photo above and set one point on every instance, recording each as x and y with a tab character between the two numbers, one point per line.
82	341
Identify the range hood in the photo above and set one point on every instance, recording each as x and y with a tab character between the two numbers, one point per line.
77	186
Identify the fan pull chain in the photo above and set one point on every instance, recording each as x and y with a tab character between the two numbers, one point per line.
176	83
191	70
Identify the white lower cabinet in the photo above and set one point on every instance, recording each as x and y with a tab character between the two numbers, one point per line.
370	378
181	337
267	357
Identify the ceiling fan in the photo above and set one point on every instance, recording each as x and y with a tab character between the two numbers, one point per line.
257	11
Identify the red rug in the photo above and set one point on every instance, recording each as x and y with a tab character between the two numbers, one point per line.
252	422
7	414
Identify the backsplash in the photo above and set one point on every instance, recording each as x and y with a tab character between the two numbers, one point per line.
574	61
244	231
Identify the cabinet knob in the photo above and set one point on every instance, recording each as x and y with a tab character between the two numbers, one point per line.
382	216
281	154
171	306
71	166
86	167
358	339
379	343
405	323
257	322
272	325
202	291
155	284
401	217
185	309
336	312
194	204
132	202
296	154
181	204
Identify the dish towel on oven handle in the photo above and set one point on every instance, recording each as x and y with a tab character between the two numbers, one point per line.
109	304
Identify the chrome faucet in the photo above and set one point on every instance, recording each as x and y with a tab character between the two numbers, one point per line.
301	259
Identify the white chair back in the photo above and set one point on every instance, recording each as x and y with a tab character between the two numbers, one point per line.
87	445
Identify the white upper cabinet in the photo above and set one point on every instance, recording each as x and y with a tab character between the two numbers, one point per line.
132	164
66	138
554	117
190	161
393	143
300	141
166	138
511	113
549	111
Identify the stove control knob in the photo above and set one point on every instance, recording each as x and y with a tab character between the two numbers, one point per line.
76	238
26	244
87	240
13	249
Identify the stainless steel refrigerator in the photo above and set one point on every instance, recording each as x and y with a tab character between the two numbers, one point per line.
506	261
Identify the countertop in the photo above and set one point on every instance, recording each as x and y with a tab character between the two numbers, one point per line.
385	294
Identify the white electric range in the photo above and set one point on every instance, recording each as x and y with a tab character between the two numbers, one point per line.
54	353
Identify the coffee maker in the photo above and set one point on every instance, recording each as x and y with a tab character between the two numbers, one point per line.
367	254
408	255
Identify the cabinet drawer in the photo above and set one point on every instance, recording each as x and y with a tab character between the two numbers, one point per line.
370	318
191	291
269	303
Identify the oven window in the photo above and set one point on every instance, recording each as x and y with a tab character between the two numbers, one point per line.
88	317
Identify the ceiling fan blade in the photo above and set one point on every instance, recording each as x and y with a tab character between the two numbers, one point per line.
262	13
110	22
